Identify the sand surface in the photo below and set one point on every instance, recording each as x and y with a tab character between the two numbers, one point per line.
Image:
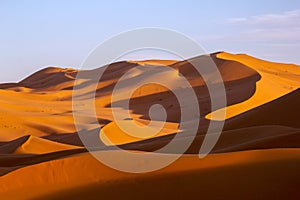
256	157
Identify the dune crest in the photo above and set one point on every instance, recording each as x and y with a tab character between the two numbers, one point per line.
277	80
36	145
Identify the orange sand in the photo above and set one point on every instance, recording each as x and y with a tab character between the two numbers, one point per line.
256	157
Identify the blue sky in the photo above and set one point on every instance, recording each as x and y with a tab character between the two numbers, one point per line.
36	34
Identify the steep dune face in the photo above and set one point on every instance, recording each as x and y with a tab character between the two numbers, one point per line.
10	147
35	145
277	80
40	147
282	111
236	78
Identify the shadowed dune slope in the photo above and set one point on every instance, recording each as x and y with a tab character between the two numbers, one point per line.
250	138
50	78
245	175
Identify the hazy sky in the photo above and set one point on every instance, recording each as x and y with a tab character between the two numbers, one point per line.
36	34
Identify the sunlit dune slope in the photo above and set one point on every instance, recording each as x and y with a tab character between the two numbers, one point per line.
276	80
35	145
282	111
112	134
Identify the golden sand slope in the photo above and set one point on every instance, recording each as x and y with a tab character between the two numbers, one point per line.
265	174
39	114
276	80
282	111
112	134
35	145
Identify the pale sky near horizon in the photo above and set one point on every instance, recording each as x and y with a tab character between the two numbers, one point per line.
35	34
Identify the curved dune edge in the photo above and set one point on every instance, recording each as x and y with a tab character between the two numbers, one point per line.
283	111
243	139
10	147
113	134
276	80
33	145
36	145
153	62
251	174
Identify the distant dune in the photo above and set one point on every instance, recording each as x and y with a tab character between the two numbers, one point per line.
256	157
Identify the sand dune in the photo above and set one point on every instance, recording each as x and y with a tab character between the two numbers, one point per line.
47	93
250	138
257	155
35	145
282	111
154	62
51	78
277	80
112	134
10	147
233	175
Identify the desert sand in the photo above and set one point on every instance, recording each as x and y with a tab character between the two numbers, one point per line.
256	157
